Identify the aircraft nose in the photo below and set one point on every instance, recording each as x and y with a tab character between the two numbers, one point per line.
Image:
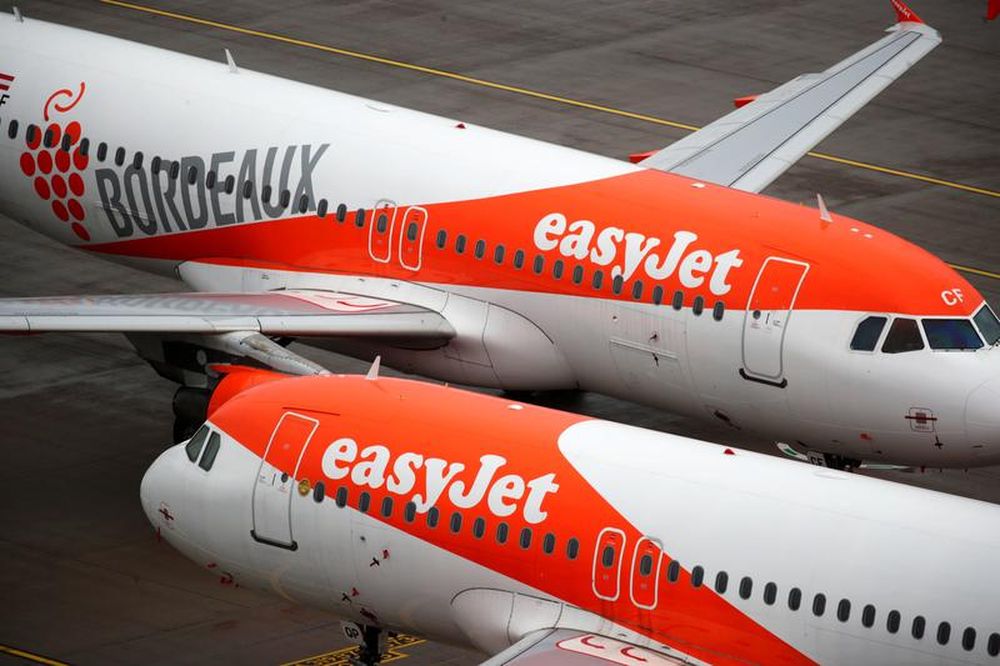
982	413
154	490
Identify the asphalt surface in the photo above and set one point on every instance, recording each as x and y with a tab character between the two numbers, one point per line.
83	579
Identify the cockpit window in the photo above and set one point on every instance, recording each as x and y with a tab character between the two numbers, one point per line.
988	325
193	447
867	334
212	450
903	336
951	334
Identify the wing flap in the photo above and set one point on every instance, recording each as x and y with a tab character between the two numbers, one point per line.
750	147
291	313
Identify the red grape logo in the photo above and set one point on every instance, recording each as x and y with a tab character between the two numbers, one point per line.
55	161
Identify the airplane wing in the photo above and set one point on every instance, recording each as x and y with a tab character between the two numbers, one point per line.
750	147
568	647
279	313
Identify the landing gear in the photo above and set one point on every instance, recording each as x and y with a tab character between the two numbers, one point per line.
372	647
834	461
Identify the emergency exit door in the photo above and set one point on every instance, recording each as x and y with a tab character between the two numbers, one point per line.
766	320
274	486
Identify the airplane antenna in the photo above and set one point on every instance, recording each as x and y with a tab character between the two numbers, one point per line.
373	371
824	214
17	14
232	63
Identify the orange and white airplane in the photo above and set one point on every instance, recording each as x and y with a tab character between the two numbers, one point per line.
542	537
479	257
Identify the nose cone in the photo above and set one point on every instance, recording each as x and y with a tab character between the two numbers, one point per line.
155	488
982	414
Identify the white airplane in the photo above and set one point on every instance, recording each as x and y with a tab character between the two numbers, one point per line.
479	257
542	537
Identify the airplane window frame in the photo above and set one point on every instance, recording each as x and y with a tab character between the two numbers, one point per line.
844	610
969	639
549	543
718	310
120	156
657	295
794	599
578	274
284	199
698	306
518	260
939	328
868	616
479	527
903	344
498	254
770	595
322	208
819	604
558	269
386	507
341	214
990	318
943	634
410	512
572	548
204	431
319	492
12	129
364	501
645	565
102	151
433	517
871	324
211	451
637	288
677	301
697	576
993	644
460	243
341	497
721	582
210	179
524	540
359	218
502	533
746	587
893	621
918	627
598	280
479	249
673	571
441	239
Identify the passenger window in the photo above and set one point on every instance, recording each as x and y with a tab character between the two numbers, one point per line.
718	310
678	301
230	184
478	528
794	598
247	188
637	290
904	336
577	274
210	183
303	203
616	284
359	218
102	151
175	170
549	543
867	334
410	512
480	250
746	587
721	582
969	639
819	604
519	259
432	516
572	548
673	571
918	627
285	198
455	525
525	540
84	146
697	576
951	334
598	279
211	450
12	129
341	212
50	138
557	269
320	208
319	492
386	507
136	159
608	556
698	306
868	616
657	295
382	223
265	194
67	142
192	175
364	502
460	244
498	254
943	633
120	156
770	594
194	445
993	645
844	610
988	325
154	165
341	497
502	532
442	239
30	135
892	622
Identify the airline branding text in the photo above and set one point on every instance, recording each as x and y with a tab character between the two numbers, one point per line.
374	467
626	251
176	196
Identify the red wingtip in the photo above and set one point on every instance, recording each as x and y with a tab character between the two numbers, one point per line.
992	9
904	14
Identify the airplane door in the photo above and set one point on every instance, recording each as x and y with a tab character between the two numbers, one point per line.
645	574
380	231
275	483
608	563
411	239
766	319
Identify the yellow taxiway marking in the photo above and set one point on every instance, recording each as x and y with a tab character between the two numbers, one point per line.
525	91
30	656
546	96
342	656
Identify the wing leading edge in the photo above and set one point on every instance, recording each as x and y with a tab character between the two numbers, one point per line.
750	147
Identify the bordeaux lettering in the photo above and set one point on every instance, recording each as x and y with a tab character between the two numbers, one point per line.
136	199
433	478
693	266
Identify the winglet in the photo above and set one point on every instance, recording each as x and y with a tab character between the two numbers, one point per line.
232	63
904	14
824	214
373	371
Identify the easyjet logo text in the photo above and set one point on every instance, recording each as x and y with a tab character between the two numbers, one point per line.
628	251
166	196
425	480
